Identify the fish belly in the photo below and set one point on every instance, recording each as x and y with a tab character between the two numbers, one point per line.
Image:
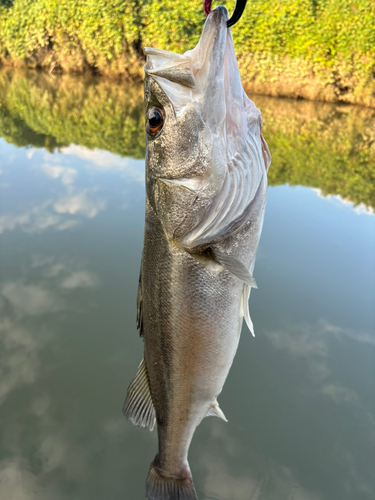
192	322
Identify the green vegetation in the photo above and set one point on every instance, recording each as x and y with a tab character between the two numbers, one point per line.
326	146
72	35
46	111
316	49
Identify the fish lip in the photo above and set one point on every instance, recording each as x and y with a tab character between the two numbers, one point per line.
219	14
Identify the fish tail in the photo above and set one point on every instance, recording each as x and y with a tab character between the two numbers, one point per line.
162	486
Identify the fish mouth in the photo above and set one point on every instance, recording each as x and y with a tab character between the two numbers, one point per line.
218	15
181	68
215	28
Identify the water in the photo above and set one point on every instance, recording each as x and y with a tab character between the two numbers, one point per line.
300	398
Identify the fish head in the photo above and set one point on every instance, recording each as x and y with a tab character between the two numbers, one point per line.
198	120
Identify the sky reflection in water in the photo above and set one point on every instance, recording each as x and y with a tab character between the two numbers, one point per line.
299	398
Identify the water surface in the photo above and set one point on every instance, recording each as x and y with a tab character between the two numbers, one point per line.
300	398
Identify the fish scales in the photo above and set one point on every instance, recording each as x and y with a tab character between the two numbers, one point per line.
206	166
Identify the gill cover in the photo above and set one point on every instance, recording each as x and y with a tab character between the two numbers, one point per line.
229	169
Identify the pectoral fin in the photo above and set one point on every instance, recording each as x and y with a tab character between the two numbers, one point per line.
245	308
234	266
138	406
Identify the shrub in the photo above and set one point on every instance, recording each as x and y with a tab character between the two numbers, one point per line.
320	49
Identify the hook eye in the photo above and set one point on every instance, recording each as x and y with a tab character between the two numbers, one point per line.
236	16
238	11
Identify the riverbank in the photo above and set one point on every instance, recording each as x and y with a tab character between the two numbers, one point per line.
312	49
329	147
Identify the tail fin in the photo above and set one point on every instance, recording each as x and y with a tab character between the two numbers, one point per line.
161	486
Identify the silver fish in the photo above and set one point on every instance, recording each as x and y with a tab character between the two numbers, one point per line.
206	180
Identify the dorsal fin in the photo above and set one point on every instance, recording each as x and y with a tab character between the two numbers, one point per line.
138	406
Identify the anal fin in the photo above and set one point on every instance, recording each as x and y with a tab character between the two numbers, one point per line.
216	411
138	406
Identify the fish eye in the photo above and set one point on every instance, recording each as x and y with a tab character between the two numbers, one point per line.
155	121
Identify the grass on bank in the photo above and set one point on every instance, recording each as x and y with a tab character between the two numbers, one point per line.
317	49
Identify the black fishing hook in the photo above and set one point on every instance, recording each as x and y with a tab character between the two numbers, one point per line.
238	11
236	16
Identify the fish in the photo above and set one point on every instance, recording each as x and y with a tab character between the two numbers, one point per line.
206	180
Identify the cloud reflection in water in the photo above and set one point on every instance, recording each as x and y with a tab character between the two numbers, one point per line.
306	431
63	207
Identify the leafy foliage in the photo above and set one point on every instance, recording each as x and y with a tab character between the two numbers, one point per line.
74	35
326	47
54	112
326	146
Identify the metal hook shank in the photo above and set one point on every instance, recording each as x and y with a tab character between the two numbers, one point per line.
238	11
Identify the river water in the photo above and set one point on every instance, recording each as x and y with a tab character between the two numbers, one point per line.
300	398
